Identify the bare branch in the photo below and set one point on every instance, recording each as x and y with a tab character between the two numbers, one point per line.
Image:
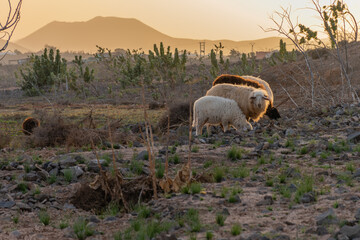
7	29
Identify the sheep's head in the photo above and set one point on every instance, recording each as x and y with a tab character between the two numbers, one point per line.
259	100
242	125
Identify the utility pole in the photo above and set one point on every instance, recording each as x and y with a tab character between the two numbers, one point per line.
252	46
202	49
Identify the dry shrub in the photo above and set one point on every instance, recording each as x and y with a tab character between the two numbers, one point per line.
95	198
179	115
56	131
53	132
155	105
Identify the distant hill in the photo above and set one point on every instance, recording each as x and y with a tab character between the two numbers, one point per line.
13	46
114	32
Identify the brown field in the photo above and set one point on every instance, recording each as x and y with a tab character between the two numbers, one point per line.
285	174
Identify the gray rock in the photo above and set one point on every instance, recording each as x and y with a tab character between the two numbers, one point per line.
67	161
91	225
94	167
43	174
257	236
69	232
78	171
340	112
259	147
321	230
342	237
54	171
341	190
289	132
356	173
31	176
350	231
68	206
268	200
143	155
308	198
7	204
15	234
354	137
292	187
137	144
327	218
225	211
94	219
23	206
110	219
281	237
357	214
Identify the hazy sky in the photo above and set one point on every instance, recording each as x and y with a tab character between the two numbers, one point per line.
199	19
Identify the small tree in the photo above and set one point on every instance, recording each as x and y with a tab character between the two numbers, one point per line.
218	66
43	72
86	77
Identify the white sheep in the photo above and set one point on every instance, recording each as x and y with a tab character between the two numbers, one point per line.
213	110
253	102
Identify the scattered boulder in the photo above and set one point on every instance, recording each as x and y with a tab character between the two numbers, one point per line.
327	218
7	204
354	137
67	161
351	232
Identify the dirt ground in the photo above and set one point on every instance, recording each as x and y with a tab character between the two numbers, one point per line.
260	191
294	178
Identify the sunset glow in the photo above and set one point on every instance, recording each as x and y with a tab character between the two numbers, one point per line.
201	19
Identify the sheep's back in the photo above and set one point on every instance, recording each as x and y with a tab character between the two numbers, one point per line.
239	94
237	80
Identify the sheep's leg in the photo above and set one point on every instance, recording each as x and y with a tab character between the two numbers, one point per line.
200	129
208	129
225	126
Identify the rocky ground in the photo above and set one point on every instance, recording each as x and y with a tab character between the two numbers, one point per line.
296	178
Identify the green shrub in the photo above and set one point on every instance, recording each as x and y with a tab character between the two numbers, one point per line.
236	229
136	166
234	153
44	217
220	219
218	174
68	175
195	149
195	188
81	229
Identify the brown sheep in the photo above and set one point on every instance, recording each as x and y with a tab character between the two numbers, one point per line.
253	102
252	81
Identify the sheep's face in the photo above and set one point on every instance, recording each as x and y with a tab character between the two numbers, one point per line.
259	100
242	125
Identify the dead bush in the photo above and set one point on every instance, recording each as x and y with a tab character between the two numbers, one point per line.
57	131
179	115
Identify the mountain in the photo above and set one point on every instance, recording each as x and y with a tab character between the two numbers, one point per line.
126	33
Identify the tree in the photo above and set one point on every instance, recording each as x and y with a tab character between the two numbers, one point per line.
7	28
46	70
